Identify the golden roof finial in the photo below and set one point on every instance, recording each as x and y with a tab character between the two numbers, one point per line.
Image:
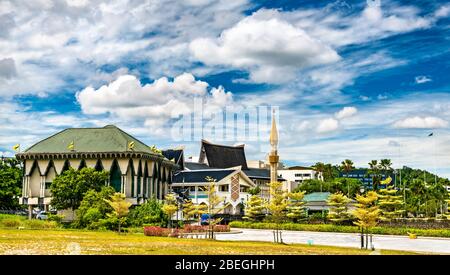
273	131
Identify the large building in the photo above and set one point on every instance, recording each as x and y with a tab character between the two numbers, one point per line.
135	170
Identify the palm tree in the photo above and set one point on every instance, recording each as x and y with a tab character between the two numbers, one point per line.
375	172
386	166
320	168
347	166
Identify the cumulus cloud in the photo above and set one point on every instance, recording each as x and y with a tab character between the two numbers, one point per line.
155	103
346	112
422	79
59	44
271	49
327	125
418	122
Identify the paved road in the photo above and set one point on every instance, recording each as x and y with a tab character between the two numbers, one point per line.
422	244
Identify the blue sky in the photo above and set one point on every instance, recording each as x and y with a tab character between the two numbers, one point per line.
352	79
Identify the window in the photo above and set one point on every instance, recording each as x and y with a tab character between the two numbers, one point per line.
224	188
298	175
244	189
298	181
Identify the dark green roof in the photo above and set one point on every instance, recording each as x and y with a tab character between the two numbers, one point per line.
316	196
106	139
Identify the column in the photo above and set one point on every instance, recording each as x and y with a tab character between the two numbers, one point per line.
42	187
123	187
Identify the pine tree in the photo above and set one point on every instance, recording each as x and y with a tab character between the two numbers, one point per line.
277	208
390	203
214	201
295	208
447	215
338	203
254	209
367	213
190	210
120	207
170	206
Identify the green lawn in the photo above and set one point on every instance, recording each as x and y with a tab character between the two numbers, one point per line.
14	241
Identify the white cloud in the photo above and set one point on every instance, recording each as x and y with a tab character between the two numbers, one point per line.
422	79
272	50
346	112
327	125
77	3
57	43
421	123
443	11
155	103
382	97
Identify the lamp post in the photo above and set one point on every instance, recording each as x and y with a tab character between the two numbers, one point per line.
362	229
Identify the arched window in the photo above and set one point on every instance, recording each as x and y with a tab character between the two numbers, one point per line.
115	176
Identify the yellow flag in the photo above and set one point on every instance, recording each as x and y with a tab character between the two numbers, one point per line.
16	147
71	146
131	145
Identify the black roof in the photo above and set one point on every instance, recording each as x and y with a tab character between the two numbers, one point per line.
196	166
259	173
222	156
200	175
175	154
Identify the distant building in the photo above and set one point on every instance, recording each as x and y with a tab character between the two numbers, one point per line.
232	185
135	170
365	177
296	175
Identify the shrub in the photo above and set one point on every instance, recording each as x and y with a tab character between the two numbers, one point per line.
55	218
203	228
149	213
10	223
157	231
39	224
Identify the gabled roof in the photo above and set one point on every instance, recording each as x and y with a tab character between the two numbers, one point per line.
200	175
107	139
222	156
177	155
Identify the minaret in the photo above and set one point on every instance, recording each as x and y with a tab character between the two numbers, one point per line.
273	156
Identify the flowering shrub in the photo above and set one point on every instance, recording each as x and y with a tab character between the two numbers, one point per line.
167	232
203	228
161	232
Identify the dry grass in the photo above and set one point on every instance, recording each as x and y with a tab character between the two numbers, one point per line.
110	243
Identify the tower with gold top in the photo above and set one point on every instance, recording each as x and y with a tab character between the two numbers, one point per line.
273	156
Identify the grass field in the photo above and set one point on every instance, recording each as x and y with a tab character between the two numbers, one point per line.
59	242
